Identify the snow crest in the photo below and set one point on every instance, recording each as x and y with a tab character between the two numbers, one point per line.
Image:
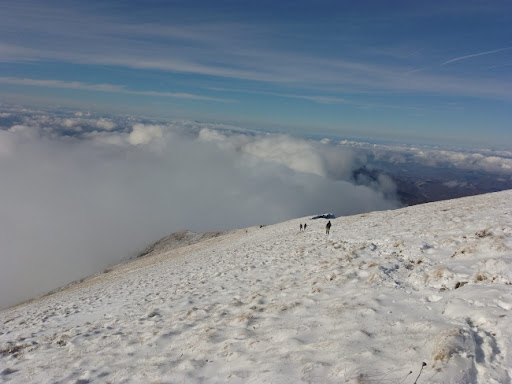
372	302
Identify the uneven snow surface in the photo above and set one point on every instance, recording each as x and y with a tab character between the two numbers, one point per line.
368	303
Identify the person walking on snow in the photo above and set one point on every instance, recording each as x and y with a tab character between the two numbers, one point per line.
300	227
328	227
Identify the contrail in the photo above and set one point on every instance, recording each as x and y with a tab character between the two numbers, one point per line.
476	54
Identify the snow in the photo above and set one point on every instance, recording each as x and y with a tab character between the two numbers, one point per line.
382	294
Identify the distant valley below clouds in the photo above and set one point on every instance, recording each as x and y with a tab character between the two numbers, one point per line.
418	184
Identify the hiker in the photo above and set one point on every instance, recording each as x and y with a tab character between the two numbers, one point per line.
301	226
305	225
328	227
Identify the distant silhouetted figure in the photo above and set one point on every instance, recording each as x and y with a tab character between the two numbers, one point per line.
328	227
300	227
305	225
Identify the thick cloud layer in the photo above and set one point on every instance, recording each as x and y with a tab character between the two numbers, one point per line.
80	193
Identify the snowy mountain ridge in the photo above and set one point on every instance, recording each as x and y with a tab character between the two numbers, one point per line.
371	302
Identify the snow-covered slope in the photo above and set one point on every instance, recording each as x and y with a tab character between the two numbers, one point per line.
382	294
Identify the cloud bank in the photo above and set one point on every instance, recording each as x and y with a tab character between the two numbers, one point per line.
82	192
485	160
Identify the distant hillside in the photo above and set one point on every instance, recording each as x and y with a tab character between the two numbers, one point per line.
416	184
177	240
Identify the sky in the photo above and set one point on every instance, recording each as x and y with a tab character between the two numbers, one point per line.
435	71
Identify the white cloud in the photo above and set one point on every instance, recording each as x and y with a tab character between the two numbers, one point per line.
465	160
488	161
233	143
495	162
105	138
5	144
69	123
296	154
455	184
72	124
79	204
105	124
143	134
25	130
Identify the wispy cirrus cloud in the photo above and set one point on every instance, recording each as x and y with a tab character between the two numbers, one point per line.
476	55
104	88
321	99
278	68
226	49
13	53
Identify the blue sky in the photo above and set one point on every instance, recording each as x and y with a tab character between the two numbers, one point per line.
439	71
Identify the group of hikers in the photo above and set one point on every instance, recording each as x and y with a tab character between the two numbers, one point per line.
327	227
